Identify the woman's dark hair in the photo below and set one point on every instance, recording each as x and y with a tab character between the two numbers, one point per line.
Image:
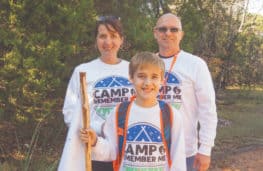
108	21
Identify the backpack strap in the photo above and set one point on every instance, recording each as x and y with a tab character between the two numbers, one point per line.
122	113
166	123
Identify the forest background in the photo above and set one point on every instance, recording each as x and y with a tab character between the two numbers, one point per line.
41	41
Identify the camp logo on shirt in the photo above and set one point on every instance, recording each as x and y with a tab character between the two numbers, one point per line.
110	91
172	93
144	148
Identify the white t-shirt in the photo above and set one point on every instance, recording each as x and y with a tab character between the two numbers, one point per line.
144	148
107	85
189	88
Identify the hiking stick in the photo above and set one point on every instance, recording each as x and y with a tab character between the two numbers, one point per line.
86	118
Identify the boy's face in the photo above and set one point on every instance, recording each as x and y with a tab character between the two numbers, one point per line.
147	81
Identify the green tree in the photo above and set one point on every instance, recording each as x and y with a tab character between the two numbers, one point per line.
42	42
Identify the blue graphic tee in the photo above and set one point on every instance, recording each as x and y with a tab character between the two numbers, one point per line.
172	92
108	92
144	149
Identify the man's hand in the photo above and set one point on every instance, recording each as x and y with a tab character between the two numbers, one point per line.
201	162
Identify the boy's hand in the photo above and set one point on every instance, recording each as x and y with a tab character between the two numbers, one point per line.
88	136
201	162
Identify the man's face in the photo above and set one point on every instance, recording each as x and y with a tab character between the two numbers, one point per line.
168	33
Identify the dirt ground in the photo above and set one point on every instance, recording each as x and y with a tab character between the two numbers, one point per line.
247	159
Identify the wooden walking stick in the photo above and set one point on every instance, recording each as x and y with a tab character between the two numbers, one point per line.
86	118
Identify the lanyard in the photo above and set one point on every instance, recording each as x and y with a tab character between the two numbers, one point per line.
171	67
169	71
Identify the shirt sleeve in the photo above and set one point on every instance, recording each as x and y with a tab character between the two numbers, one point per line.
177	152
207	115
72	102
106	148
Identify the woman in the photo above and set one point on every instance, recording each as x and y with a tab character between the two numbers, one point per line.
107	85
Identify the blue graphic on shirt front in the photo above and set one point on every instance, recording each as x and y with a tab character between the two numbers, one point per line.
108	92
172	79
113	81
144	133
144	148
171	91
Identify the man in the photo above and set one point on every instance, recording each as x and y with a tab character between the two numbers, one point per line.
189	88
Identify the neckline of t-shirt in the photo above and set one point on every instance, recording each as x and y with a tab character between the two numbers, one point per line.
148	108
168	57
110	65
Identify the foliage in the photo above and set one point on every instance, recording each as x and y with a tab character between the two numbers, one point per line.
42	41
47	39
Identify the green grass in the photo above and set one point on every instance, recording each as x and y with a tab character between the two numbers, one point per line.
244	109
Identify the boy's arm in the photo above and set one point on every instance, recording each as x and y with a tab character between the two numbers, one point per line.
177	152
106	147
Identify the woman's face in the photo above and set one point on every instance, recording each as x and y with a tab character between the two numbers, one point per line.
108	41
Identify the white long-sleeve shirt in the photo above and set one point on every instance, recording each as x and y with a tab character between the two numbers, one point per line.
107	85
144	147
190	89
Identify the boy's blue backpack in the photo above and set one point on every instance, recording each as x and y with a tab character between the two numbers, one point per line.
122	114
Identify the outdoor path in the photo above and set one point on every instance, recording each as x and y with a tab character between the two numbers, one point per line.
246	159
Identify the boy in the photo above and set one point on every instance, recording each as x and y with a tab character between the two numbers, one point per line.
144	144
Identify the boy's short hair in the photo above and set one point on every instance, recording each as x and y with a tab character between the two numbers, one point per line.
145	58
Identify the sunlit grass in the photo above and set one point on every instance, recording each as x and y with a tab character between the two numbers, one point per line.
245	87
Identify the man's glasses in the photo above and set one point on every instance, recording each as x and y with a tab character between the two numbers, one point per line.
165	29
108	17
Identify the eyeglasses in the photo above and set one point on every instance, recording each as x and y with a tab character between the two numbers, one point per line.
108	17
165	29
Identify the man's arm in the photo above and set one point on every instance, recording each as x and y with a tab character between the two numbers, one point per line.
207	115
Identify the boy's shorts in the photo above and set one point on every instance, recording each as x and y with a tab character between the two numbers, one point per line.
101	166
